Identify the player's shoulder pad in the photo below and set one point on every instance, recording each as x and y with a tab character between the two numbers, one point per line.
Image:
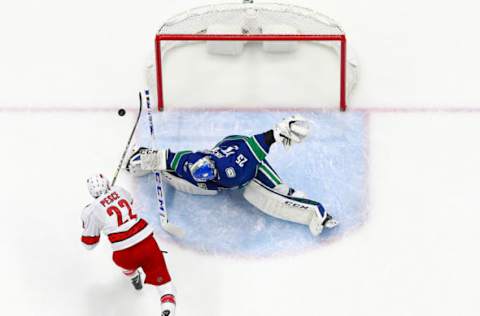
87	210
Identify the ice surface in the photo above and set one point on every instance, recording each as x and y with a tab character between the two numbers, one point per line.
330	166
419	244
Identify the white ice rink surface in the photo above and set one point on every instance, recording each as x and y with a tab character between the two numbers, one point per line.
65	68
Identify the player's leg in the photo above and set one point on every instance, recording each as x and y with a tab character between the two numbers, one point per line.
267	176
167	298
289	208
270	178
128	262
157	274
135	277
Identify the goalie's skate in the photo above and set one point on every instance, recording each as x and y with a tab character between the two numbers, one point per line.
317	224
296	193
330	222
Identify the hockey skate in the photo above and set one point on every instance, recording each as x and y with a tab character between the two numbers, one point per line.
330	222
137	281
317	224
168	305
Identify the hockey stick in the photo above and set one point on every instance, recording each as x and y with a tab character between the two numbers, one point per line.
168	227
119	167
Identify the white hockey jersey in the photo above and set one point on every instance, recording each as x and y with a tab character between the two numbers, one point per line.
113	214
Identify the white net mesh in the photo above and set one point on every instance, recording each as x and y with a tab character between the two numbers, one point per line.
255	18
197	20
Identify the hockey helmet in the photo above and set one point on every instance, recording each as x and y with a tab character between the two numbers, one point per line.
203	169
97	185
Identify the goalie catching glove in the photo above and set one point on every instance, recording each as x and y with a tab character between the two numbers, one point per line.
143	161
291	130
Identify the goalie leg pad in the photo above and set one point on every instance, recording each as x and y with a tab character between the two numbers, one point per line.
281	206
183	185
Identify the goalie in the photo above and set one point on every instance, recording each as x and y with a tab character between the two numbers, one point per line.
239	162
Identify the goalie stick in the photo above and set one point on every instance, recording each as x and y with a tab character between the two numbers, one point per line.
119	167
166	225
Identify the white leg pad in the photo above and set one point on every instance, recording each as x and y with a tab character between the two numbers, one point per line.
185	186
279	205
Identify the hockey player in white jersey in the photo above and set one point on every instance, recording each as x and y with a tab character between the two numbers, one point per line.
133	243
240	162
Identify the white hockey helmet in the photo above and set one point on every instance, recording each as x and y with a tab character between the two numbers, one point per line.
97	185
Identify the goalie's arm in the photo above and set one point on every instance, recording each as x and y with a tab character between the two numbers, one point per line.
259	145
176	160
291	130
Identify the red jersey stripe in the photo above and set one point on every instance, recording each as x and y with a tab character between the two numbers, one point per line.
90	240
168	298
116	237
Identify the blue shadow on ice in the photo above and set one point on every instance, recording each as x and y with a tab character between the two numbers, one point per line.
330	166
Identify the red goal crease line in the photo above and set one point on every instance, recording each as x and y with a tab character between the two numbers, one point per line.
254	37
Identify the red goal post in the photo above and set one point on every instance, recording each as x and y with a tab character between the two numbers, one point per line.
251	37
279	28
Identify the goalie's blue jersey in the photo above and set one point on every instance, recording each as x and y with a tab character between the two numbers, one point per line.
236	159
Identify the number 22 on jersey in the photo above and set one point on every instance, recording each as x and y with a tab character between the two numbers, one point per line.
120	210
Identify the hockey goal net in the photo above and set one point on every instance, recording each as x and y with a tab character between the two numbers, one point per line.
278	29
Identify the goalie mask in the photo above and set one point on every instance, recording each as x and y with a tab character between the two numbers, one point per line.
98	185
203	170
